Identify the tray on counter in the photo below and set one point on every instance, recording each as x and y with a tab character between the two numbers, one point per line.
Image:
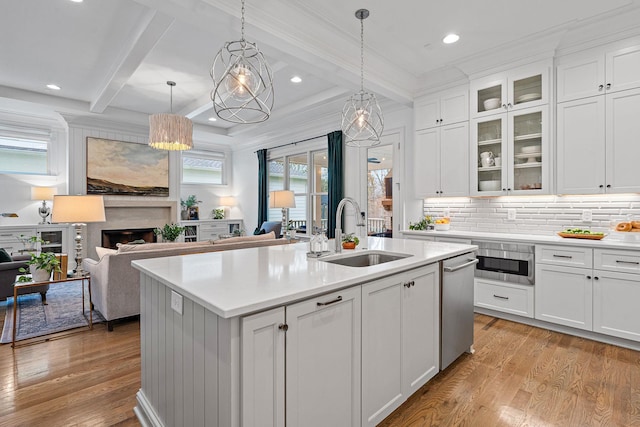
582	236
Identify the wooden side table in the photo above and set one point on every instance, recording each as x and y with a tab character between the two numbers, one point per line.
22	285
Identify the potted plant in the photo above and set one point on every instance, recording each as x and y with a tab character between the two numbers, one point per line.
350	241
170	232
42	265
188	206
425	223
29	243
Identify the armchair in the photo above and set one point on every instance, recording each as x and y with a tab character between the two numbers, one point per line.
8	273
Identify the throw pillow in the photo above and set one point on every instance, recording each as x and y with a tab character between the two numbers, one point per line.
258	231
4	256
104	251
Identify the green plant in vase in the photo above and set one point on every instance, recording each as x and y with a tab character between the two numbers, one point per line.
190	202
42	265
350	241
170	232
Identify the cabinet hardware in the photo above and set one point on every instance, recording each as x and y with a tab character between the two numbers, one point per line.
608	185
509	105
562	256
589	277
600	87
412	283
458	267
504	106
283	327
608	85
600	186
407	284
500	297
504	189
338	299
627	262
596	277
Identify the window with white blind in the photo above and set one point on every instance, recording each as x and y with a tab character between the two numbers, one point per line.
204	167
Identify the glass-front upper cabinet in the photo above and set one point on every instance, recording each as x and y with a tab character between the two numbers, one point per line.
524	87
510	153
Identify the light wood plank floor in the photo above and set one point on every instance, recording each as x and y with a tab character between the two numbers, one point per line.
519	376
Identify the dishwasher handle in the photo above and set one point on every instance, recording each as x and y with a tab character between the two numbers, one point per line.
458	267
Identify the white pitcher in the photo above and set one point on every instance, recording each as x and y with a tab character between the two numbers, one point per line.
487	159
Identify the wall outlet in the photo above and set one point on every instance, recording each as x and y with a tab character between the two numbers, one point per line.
176	302
511	214
586	215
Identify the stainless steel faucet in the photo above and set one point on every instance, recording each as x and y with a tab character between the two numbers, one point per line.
338	236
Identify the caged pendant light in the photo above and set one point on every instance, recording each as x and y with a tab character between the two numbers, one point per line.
170	131
362	121
243	82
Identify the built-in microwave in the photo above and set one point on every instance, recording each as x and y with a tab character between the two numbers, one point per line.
507	262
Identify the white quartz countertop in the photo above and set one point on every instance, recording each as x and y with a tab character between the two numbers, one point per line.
613	240
237	282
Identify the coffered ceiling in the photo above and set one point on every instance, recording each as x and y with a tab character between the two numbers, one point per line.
112	58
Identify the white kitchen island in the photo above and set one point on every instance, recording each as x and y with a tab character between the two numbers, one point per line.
255	336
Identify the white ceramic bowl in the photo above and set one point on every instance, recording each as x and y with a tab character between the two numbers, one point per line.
491	103
442	227
493	185
530	149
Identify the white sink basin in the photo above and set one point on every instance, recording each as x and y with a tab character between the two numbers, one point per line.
364	259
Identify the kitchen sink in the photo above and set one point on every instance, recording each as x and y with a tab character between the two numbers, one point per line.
365	259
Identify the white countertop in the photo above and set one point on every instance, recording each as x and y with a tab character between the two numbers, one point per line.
237	282
613	240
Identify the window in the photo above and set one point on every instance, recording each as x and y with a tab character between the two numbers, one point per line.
309	184
200	167
28	156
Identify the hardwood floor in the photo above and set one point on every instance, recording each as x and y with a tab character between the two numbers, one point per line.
519	376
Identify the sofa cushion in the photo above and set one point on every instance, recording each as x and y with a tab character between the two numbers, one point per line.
156	246
100	251
258	237
4	256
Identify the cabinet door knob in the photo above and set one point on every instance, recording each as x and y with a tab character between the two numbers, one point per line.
508	189
283	327
600	87
509	105
596	277
600	186
589	277
504	106
608	185
407	284
608	85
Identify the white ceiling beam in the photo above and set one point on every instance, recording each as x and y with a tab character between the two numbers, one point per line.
148	33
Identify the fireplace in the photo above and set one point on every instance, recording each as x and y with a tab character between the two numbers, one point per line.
110	238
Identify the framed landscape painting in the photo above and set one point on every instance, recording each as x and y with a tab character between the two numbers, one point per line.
126	168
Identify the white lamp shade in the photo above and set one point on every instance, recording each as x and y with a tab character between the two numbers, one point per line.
42	193
227	201
78	209
282	199
170	132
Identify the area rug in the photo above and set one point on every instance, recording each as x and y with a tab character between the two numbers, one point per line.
62	312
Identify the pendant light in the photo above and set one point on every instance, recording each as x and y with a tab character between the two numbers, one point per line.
170	131
362	121
243	82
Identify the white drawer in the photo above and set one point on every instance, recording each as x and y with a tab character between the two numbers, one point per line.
11	236
564	255
616	260
214	228
507	297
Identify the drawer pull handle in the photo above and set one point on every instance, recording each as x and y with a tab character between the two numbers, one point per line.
627	262
321	304
500	297
562	256
458	267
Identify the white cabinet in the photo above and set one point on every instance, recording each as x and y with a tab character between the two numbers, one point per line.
583	75
263	369
517	146
511	298
10	238
597	150
523	87
440	161
323	361
56	237
400	339
211	229
443	108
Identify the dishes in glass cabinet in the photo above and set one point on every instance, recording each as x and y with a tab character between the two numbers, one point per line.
529	149
528	97
491	103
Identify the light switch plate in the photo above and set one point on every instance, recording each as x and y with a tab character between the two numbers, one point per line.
176	302
511	214
587	215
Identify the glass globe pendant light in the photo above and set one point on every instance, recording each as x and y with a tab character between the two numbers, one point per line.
362	121
243	82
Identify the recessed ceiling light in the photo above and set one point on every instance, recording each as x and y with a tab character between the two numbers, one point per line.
77	1
213	119
296	79
451	38
53	87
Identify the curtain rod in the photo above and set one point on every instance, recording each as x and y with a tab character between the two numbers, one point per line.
293	143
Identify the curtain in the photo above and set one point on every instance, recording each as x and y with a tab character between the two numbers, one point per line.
336	178
263	186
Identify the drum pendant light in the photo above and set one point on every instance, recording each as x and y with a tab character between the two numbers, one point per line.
170	132
243	82
362	121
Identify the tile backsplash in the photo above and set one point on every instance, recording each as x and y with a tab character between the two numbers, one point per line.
542	215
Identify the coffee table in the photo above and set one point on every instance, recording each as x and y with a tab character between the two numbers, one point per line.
22	285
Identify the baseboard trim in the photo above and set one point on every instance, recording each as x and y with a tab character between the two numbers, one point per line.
145	413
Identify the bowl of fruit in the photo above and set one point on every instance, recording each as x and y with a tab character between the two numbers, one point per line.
442	224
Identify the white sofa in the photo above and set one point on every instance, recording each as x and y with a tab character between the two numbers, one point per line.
115	284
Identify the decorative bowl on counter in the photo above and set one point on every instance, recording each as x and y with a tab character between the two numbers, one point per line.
491	103
442	227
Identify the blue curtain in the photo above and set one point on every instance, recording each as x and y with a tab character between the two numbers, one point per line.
336	178
263	186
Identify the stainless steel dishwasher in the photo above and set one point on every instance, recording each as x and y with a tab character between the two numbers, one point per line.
456	307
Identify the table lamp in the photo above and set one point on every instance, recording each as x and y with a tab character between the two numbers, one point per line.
78	210
44	194
284	199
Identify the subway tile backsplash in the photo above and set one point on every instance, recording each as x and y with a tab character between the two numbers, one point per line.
543	215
